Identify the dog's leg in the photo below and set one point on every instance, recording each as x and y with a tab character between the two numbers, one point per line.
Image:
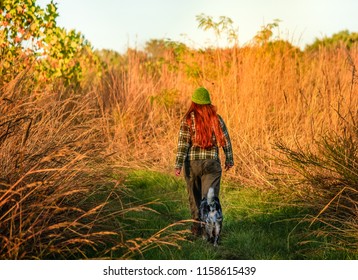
203	231
216	241
217	233
209	231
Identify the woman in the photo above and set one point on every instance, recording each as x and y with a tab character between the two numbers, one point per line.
202	132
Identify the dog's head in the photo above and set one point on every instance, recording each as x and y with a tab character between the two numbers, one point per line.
207	209
215	204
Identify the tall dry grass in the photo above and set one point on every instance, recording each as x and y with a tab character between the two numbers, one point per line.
324	178
51	160
266	95
61	195
263	94
58	197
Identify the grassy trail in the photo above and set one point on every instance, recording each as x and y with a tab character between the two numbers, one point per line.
257	225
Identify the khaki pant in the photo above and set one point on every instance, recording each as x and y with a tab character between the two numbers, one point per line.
200	175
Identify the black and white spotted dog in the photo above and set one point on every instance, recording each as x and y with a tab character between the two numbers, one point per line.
211	217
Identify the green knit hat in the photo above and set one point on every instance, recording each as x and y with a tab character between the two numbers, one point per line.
201	96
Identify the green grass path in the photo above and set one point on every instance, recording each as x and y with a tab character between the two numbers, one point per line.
257	225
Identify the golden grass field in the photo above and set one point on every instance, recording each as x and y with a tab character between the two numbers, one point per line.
60	146
264	95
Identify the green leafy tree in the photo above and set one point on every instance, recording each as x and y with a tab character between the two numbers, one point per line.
223	26
21	33
345	38
155	47
67	55
109	58
30	38
264	36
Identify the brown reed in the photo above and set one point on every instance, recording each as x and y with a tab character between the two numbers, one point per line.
60	197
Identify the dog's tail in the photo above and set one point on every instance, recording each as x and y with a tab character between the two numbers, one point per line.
210	196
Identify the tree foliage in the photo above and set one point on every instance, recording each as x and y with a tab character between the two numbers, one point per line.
265	34
223	26
343	37
30	38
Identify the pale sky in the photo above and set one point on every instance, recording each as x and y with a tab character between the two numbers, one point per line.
119	24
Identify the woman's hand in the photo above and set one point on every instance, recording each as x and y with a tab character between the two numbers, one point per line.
177	171
228	166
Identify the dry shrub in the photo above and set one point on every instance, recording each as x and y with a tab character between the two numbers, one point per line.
325	180
59	198
169	236
51	158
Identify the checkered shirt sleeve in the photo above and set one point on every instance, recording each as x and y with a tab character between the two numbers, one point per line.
184	143
229	155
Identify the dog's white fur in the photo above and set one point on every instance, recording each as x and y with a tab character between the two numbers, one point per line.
211	216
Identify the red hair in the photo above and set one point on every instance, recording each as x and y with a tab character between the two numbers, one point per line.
207	124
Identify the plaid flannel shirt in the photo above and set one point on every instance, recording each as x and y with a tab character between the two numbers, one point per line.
186	151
